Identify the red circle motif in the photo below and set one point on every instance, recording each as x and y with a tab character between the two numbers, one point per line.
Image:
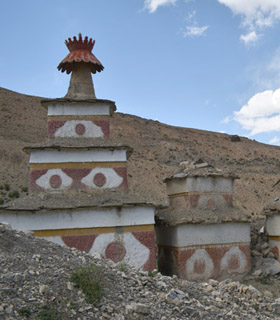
55	181
115	251
234	262
199	266
80	129
99	179
211	204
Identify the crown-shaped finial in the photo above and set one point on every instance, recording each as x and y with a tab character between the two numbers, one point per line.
80	44
80	51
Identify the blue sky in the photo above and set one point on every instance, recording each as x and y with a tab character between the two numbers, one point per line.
205	64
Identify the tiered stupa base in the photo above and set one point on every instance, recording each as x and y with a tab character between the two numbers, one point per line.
110	223
78	164
87	118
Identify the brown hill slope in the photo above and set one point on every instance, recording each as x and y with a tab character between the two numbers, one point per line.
158	150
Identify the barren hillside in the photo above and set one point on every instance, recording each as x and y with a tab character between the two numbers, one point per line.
158	150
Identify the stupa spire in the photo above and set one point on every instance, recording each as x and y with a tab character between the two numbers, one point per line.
81	62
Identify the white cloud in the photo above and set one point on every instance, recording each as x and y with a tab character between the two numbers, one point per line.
261	113
256	14
190	18
152	5
226	120
250	38
274	140
192	29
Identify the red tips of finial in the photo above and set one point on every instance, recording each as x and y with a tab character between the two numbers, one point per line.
80	51
79	44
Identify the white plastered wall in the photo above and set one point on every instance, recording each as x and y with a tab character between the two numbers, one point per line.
86	218
200	185
56	156
203	234
97	109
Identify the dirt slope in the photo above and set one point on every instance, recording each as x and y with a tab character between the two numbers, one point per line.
158	150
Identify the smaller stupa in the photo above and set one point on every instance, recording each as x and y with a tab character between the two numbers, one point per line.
200	235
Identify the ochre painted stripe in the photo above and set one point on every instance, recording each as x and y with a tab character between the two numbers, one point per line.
88	231
70	165
84	117
277	238
202	246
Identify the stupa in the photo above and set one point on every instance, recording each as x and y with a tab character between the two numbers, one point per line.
201	235
78	178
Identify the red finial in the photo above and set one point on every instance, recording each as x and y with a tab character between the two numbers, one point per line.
79	44
80	51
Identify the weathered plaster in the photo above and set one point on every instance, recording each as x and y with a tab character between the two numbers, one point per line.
75	219
70	129
273	225
56	156
97	109
200	263
112	179
125	247
200	184
136	253
202	234
201	201
45	180
78	179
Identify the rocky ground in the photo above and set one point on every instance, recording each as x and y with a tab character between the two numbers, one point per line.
37	283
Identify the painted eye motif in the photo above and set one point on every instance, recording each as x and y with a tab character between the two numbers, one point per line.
234	260
54	179
102	178
199	265
121	249
76	128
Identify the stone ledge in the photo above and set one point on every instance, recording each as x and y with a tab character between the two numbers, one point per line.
173	217
72	200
